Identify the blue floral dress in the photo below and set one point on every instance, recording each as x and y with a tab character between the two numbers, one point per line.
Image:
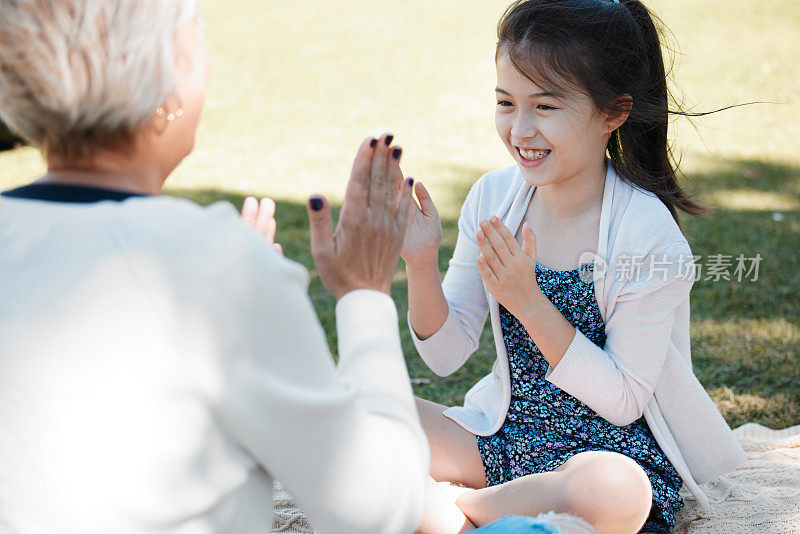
546	426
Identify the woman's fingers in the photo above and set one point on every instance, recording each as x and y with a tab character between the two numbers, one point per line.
381	190
356	196
387	188
320	228
397	177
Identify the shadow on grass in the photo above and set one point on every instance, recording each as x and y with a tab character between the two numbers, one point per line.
745	338
745	335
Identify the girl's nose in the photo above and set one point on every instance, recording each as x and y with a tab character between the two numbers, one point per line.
524	127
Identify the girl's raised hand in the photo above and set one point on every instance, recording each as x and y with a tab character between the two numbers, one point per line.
508	270
424	233
261	216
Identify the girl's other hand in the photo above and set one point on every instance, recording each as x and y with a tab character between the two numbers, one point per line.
363	251
261	216
424	234
508	270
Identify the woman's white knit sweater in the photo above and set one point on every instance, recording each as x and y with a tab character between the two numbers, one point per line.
160	364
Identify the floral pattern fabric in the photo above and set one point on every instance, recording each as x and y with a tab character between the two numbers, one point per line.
545	426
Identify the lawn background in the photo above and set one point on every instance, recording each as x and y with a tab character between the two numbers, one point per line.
295	86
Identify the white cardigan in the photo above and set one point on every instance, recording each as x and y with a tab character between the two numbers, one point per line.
160	364
645	366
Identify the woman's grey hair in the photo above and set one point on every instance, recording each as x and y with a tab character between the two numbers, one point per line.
77	76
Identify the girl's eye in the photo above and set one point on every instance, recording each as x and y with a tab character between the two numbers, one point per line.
545	107
504	103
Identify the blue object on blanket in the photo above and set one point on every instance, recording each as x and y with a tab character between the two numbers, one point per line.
515	524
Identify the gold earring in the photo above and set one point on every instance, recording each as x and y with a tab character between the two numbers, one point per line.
169	116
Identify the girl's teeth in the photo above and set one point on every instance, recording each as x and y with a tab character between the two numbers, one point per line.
533	154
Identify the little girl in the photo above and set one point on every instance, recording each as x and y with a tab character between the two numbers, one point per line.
576	254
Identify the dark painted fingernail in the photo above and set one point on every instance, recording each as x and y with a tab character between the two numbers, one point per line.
410	182
315	203
373	143
389	139
397	152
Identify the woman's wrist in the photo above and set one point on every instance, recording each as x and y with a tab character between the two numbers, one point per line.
340	295
344	290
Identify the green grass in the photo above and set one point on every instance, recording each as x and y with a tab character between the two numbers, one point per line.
293	91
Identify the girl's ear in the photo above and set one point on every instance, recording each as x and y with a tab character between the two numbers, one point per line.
618	113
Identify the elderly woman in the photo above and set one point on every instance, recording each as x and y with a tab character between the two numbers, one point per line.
160	363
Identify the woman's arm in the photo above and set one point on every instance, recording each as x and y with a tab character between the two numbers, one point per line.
344	440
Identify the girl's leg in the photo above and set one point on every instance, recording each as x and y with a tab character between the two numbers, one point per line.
454	451
454	458
607	489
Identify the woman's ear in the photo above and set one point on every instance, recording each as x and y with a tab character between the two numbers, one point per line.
617	113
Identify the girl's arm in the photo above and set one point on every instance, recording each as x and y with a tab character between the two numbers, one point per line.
616	380
446	317
427	305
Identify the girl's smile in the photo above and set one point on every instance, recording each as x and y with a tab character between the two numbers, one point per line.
532	157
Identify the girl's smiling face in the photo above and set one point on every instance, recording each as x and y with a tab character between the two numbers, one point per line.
553	136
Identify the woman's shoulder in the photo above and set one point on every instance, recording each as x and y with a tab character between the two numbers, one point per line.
211	239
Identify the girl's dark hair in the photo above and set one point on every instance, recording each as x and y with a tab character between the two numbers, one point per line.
607	50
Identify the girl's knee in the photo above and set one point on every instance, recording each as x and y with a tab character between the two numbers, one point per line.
609	490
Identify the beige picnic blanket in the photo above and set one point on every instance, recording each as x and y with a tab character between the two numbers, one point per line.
760	496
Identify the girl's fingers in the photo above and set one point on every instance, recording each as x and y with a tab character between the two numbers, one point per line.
529	241
485	271
496	242
250	210
488	252
505	234
404	204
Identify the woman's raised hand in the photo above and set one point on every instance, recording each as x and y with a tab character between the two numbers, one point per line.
261	216
424	234
363	251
